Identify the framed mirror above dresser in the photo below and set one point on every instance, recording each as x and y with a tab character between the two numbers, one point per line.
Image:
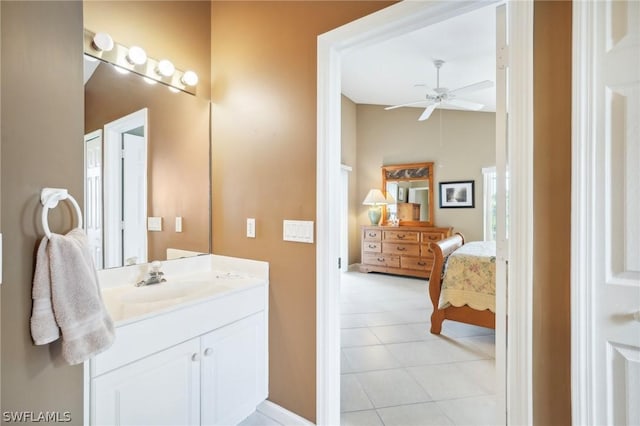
411	186
400	244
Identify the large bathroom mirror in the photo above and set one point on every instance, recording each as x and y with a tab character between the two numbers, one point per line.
147	159
409	190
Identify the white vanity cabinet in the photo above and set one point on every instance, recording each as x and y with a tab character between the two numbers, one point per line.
232	372
161	389
201	364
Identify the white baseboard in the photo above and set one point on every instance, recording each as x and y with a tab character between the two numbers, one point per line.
281	415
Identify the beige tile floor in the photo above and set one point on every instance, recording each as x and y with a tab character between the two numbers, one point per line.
395	373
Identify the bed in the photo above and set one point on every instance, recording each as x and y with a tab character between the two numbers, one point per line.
462	282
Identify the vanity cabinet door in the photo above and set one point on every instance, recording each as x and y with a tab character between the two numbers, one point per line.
161	389
234	371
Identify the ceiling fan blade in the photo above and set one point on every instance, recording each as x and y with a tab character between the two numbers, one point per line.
407	104
472	87
473	106
427	111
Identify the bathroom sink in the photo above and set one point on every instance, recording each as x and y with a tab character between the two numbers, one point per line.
164	291
130	301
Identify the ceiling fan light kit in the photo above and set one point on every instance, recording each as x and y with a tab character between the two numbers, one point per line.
443	96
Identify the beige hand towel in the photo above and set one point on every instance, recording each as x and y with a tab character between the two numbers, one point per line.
44	328
77	304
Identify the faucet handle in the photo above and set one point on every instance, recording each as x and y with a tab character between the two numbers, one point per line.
155	266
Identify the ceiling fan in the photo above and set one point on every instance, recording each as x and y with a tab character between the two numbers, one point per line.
443	96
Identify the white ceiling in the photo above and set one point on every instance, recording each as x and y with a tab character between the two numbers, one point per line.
386	73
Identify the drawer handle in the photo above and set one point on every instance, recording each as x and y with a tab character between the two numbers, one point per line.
401	236
422	263
381	259
401	248
372	234
433	238
372	246
208	352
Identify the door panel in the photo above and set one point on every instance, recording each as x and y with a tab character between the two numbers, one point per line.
616	255
134	199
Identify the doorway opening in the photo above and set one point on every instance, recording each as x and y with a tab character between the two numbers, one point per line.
402	18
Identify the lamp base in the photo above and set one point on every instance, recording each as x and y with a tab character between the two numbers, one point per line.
375	212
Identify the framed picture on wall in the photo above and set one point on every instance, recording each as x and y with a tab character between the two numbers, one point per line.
457	194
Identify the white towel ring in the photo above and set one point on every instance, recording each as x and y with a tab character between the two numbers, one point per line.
49	197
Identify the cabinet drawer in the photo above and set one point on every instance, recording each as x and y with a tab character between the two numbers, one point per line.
428	237
418	263
371	247
397	235
425	252
401	249
372	235
388	260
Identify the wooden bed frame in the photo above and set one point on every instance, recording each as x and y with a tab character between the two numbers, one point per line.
441	251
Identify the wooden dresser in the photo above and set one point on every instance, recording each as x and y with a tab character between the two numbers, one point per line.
400	250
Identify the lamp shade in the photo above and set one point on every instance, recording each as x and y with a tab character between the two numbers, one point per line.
374	198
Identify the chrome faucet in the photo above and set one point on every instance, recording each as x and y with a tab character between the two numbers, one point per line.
156	276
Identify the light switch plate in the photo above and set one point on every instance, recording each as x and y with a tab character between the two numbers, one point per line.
154	223
251	228
299	231
179	224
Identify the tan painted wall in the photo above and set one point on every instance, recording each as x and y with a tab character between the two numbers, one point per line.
264	163
460	143
42	108
349	155
178	153
552	214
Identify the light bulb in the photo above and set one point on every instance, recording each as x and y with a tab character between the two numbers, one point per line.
102	42
136	55
189	78
165	68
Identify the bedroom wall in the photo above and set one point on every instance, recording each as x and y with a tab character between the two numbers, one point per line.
349	155
460	143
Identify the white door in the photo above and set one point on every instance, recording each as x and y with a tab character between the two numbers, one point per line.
606	213
162	389
93	194
134	199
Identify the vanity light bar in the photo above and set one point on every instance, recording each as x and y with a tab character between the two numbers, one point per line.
120	56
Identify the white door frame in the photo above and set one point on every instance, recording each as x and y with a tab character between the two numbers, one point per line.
398	19
112	182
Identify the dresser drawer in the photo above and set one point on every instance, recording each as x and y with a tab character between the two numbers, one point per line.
398	235
388	260
425	252
405	249
372	247
372	235
417	263
432	236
